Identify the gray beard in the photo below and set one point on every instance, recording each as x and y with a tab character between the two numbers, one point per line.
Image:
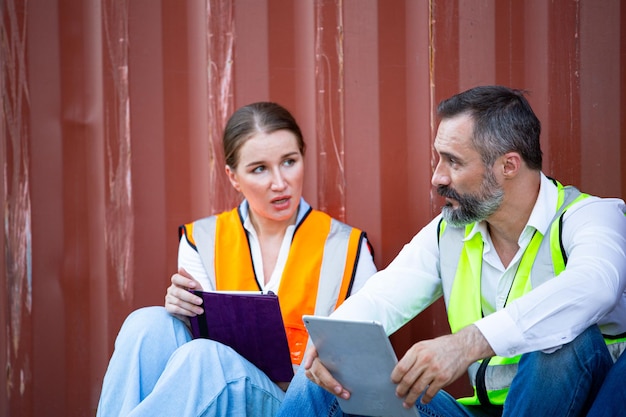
473	207
469	212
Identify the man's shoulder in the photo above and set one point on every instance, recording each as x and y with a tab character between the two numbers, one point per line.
594	206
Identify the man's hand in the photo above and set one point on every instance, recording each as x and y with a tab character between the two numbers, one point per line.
316	372
179	300
430	365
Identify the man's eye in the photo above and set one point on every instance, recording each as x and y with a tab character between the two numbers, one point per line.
452	161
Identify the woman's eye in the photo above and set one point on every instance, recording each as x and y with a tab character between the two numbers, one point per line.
289	162
258	169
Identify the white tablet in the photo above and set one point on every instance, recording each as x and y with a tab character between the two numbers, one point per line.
359	355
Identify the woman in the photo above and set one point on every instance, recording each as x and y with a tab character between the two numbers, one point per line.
273	241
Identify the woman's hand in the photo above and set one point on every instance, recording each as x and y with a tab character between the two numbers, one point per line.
179	300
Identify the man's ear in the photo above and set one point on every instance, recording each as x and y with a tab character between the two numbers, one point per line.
232	177
511	164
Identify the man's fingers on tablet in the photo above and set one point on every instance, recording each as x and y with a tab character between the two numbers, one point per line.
309	374
320	375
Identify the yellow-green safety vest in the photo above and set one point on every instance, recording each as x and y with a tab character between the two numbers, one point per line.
542	260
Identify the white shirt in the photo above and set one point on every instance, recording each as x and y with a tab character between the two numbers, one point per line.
189	259
590	290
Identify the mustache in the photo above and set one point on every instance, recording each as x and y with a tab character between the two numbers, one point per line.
447	191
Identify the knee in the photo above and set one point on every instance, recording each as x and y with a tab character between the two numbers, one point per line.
150	322
208	352
211	355
144	319
586	350
590	338
590	346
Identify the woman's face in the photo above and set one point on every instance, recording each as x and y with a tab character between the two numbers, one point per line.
270	175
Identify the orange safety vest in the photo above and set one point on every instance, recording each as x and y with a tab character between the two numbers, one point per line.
303	289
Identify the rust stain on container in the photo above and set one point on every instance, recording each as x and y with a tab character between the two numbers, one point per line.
16	210
119	229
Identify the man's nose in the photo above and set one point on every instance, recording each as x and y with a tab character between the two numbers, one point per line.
440	177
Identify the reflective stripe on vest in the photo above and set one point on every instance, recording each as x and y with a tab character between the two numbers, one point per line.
311	283
543	259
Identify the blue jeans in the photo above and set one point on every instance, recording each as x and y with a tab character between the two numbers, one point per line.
611	400
156	369
562	383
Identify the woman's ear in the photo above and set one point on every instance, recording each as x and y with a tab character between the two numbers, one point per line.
232	177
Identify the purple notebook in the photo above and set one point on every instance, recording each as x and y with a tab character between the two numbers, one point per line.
251	324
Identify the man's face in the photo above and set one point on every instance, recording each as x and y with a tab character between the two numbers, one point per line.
471	190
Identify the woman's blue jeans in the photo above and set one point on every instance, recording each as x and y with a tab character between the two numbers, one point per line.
563	383
157	370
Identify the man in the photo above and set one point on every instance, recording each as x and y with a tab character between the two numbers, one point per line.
533	275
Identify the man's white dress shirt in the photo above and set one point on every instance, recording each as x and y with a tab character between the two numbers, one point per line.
590	290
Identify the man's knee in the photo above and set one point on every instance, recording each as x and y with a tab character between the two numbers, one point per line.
587	350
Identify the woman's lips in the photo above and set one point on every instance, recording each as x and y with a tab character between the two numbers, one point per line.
281	203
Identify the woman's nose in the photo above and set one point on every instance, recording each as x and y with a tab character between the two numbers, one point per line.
278	182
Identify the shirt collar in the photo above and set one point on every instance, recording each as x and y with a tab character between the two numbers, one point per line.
545	207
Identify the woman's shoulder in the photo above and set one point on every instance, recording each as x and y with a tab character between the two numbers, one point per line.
321	217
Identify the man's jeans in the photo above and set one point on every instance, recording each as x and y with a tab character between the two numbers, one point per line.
563	383
611	400
157	370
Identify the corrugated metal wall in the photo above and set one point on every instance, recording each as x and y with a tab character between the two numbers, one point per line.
111	118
